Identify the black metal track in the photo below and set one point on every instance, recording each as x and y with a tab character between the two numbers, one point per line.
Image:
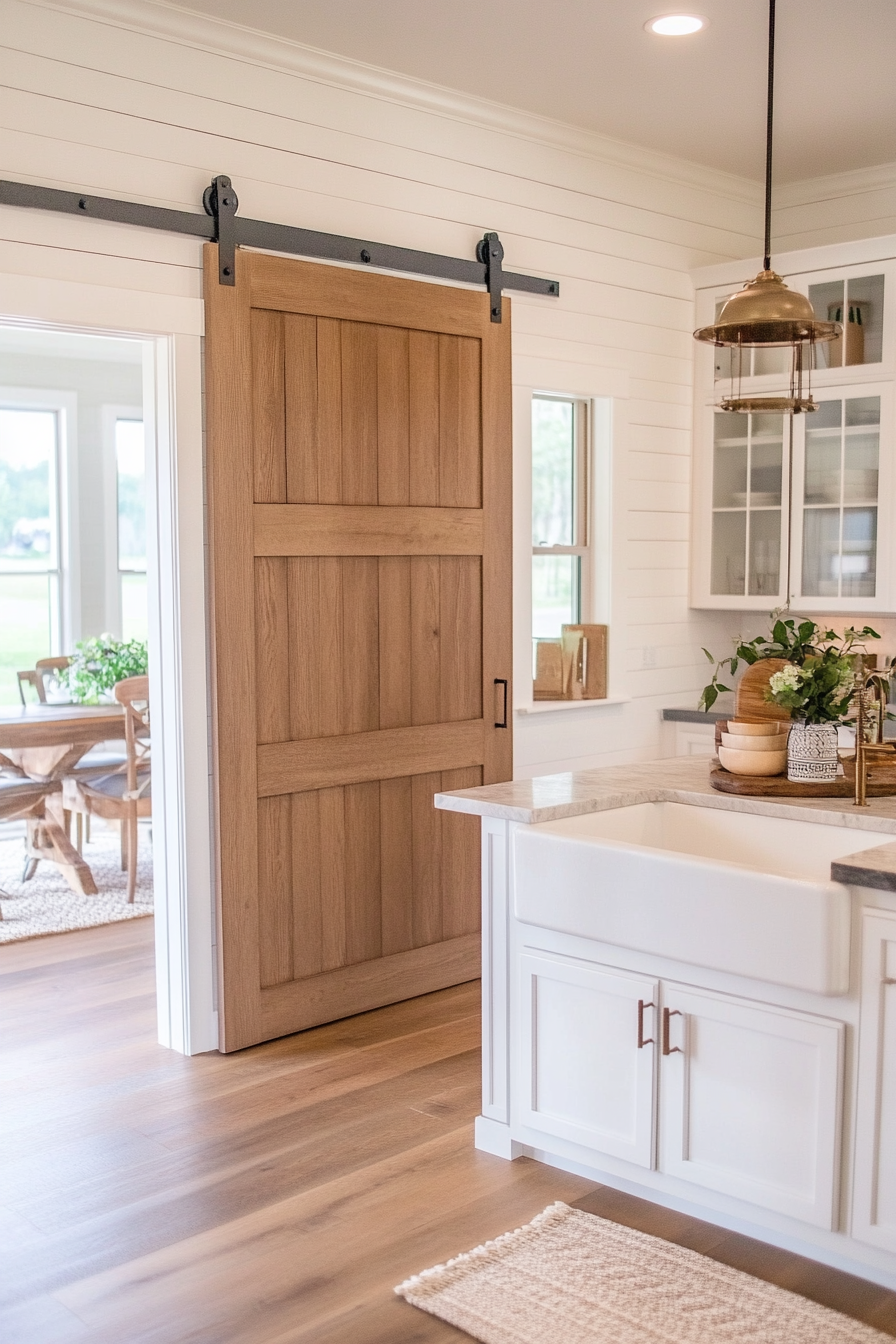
281	237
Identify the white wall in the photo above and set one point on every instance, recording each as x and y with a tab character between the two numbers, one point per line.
839	209
93	103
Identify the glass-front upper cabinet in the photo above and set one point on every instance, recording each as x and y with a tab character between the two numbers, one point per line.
804	507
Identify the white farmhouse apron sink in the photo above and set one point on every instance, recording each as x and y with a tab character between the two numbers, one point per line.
734	891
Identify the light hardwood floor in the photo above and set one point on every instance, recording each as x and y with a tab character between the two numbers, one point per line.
273	1196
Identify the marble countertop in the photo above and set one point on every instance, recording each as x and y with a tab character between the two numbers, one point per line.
680	780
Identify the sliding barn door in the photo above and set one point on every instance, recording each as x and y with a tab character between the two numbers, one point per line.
359	468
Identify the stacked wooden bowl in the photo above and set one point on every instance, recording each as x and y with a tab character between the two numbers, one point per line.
754	748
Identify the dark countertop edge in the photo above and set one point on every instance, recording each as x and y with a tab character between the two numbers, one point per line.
854	869
696	715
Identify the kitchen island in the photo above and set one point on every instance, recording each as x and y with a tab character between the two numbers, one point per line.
691	997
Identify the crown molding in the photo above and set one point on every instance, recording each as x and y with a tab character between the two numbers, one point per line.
855	182
157	18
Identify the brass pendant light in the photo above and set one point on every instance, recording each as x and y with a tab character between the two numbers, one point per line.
765	313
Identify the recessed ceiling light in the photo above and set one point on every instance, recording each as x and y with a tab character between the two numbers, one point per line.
675	25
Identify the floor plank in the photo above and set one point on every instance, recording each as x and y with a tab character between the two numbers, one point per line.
274	1196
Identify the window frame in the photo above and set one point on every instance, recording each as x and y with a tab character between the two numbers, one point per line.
111	414
63	578
583	473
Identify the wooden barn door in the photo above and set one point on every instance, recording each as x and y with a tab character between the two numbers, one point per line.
359	468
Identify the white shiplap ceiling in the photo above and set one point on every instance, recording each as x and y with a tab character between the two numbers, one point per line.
591	64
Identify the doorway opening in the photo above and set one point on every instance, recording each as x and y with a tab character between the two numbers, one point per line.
75	646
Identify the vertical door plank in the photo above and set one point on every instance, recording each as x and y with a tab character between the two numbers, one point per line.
230	476
395	641
272	649
423	414
329	411
393	416
497	575
427	859
331	858
396	866
275	910
359	669
425	615
327	657
363	925
460	860
300	381
359	414
460	648
469	424
309	916
268	421
305	639
449	421
460	439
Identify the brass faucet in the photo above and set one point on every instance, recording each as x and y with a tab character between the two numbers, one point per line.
879	684
860	799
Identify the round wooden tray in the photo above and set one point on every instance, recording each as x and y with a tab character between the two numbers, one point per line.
779	786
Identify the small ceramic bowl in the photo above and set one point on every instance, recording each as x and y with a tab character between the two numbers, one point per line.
774	742
767	729
753	762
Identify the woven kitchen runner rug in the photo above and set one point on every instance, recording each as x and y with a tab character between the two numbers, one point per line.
46	904
570	1277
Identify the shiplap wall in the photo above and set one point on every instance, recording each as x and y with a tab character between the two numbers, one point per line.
140	101
838	209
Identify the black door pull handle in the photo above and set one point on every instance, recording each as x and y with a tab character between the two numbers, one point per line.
502	681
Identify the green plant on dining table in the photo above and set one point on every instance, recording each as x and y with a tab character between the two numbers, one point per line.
800	644
98	664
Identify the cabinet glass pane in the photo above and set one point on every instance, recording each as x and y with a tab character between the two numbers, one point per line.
821	552
729	548
824	453
840	543
555	594
553	472
765	552
766	458
858	561
729	477
858	305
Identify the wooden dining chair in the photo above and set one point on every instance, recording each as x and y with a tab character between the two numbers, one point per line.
21	797
41	677
124	794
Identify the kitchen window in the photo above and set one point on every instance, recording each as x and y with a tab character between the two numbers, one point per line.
561	556
30	544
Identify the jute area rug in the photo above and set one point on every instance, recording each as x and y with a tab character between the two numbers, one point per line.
46	904
570	1277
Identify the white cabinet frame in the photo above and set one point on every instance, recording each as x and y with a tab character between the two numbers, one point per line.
800	271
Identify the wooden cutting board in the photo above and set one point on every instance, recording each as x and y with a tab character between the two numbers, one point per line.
779	786
749	694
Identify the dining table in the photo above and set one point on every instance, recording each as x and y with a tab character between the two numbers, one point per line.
44	742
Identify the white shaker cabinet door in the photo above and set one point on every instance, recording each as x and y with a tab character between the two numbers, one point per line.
750	1101
874	1206
588	1063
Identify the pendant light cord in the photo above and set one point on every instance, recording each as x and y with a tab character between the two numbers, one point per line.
767	264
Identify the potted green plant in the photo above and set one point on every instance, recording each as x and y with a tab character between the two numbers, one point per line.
793	642
818	694
98	664
818	687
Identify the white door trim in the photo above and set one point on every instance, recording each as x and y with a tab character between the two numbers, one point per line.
171	326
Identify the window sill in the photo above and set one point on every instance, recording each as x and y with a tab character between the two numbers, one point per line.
562	706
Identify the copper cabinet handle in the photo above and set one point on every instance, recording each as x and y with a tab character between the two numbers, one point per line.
642	1039
667	1049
